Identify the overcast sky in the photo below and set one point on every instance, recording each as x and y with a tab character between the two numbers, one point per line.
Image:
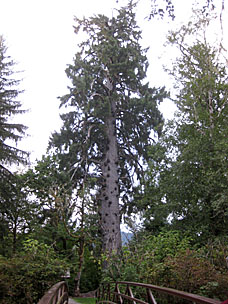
40	38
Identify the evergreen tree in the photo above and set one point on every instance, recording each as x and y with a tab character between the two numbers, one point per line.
9	107
112	116
10	132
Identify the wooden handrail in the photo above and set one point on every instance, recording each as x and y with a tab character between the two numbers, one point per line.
110	293
57	294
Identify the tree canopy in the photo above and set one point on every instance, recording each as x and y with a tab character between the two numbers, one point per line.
10	106
10	134
113	115
188	179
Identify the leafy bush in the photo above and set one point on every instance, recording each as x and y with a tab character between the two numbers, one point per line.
143	261
190	271
90	276
170	260
26	277
216	252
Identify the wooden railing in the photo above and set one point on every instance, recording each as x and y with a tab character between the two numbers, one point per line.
122	292
57	294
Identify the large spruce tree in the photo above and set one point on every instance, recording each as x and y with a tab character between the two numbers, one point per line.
111	117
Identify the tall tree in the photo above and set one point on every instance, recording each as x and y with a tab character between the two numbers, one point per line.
51	191
10	133
9	107
66	216
18	216
191	166
112	113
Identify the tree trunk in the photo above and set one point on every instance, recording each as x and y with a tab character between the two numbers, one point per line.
79	273
81	248
110	214
14	237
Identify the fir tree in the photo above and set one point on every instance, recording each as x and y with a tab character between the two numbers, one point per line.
9	106
10	132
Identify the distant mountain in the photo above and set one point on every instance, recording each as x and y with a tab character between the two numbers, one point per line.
126	237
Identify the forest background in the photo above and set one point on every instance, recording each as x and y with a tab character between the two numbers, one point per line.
115	160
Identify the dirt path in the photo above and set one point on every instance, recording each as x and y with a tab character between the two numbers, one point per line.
71	301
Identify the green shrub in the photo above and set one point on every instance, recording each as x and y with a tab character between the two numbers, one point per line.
90	276
170	260
27	276
190	271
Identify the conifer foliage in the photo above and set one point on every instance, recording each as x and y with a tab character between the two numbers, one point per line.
111	113
9	106
10	132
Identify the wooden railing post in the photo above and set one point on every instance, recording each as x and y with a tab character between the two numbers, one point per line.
150	297
118	294
108	292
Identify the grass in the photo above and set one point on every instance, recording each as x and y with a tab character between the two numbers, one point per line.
85	300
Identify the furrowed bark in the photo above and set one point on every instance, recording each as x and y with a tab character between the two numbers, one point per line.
110	213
